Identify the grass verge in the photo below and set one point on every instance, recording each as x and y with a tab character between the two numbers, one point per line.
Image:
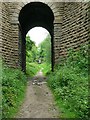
69	83
13	91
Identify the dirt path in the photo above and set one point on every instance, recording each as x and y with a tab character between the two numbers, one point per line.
39	101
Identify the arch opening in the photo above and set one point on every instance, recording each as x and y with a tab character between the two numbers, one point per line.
38	50
35	14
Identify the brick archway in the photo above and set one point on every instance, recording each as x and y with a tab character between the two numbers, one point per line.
71	26
31	15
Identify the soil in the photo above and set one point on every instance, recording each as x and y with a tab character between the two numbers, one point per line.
39	101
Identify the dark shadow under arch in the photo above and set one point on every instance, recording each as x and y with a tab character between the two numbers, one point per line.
31	15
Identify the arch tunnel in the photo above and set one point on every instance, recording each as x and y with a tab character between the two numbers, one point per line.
35	14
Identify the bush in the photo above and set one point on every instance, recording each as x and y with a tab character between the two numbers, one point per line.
46	68
69	83
13	90
31	69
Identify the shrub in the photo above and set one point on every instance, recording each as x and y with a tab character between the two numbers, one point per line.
46	68
31	69
13	90
69	83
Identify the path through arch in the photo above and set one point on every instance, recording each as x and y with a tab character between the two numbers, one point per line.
39	101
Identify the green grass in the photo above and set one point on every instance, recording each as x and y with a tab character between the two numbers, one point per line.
69	83
46	68
64	112
32	69
13	91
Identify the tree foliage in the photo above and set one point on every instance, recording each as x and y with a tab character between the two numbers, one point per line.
45	50
31	50
31	57
40	54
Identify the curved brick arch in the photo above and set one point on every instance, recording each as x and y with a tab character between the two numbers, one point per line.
36	14
15	8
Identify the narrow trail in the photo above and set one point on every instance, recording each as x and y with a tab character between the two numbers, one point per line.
39	102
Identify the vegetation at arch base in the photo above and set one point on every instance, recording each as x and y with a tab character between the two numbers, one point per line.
69	83
13	91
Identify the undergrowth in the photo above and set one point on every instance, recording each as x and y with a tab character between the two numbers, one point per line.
13	91
32	69
69	83
45	67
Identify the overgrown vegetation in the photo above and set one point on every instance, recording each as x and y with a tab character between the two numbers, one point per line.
31	58
13	91
69	83
32	69
44	50
38	57
46	68
45	55
31	50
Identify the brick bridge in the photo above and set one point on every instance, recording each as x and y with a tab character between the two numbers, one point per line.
67	22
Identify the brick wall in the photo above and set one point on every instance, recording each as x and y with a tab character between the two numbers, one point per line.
9	38
75	27
6	34
58	30
0	29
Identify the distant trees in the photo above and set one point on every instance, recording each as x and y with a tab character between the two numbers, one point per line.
40	54
31	50
45	50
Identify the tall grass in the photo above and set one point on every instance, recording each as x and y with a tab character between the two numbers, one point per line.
13	91
69	83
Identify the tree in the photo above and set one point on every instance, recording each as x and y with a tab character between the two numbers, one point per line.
31	50
45	50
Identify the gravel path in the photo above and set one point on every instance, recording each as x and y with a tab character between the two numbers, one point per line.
39	102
